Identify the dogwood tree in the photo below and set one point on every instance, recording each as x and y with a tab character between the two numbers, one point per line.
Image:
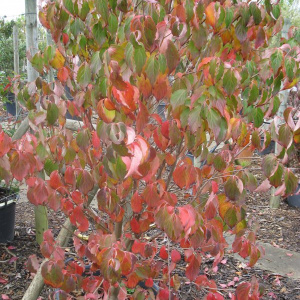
209	66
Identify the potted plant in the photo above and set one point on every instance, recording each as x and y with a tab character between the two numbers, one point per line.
8	197
7	97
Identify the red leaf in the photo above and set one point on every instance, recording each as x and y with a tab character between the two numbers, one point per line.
5	143
149	282
265	186
184	175
78	219
163	294
214	296
32	264
19	166
55	180
3	281
214	186
63	74
187	216
163	253
205	61
260	38
90	283
193	268
175	256
210	14
4	297
127	98
52	274
37	192
136	202
85	182
65	38
69	176
242	291
77	197
135	226
95	140
151	195
161	88
142	117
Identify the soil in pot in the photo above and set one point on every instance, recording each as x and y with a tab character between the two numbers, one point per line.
7	214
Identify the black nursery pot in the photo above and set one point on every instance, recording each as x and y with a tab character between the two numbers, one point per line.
294	200
11	104
7	215
269	149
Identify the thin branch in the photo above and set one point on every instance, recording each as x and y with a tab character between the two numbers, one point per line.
174	165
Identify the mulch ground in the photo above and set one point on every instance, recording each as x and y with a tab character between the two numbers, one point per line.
279	227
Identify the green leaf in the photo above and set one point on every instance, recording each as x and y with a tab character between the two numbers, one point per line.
70	155
291	182
251	182
121	169
254	94
76	27
69	6
149	30
230	217
112	25
162	63
258	117
95	63
50	166
231	189
129	55
276	60
83	139
241	31
276	178
217	124
152	69
189	9
255	140
84	75
99	34
276	11
229	82
172	56
140	57
178	98
229	16
85	9
37	62
269	165
52	113
102	8
289	64
221	17
285	136
277	83
219	163
276	104
255	12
